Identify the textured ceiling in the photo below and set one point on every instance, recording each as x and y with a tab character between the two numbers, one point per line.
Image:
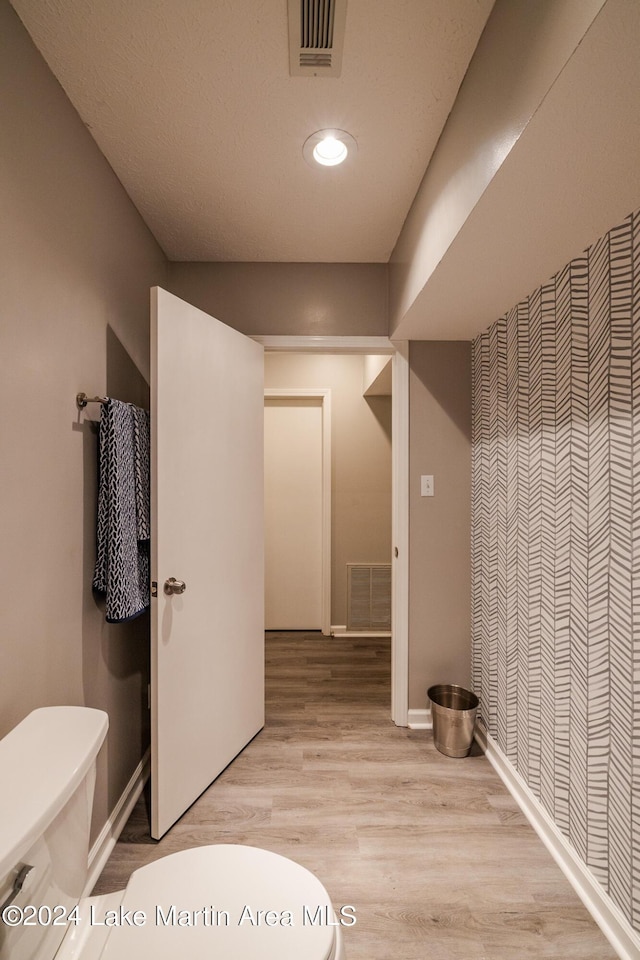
192	104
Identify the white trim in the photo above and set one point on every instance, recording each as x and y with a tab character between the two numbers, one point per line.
326	344
108	836
323	395
614	925
400	489
341	632
400	535
420	719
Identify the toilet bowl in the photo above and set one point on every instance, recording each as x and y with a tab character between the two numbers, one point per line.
228	901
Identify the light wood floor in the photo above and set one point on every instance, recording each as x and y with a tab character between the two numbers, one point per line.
432	852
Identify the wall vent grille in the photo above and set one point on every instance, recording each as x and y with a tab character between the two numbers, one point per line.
369	596
316	37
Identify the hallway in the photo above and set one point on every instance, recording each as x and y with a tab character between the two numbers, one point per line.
432	852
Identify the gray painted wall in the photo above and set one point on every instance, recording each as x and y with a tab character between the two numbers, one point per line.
288	299
439	543
77	264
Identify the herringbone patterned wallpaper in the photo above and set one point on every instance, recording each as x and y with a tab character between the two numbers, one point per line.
556	550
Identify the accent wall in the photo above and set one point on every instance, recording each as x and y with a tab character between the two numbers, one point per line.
556	551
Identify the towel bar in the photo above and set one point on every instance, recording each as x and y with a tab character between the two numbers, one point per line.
82	400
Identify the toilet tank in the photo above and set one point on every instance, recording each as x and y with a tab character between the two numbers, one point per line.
47	770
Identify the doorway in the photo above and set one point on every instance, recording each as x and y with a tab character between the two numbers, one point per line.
297	443
399	484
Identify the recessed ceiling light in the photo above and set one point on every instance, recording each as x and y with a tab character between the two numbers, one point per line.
328	147
330	152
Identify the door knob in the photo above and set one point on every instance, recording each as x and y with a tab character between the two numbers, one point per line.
174	586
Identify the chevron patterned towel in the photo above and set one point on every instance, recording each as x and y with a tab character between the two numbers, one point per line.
122	563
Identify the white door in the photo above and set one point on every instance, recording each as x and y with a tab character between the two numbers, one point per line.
207	658
293	493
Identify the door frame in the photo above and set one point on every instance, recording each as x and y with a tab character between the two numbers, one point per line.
323	395
399	351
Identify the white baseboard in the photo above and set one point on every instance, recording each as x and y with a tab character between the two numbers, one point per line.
108	836
614	925
341	631
420	719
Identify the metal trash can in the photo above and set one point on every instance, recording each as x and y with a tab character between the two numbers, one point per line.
453	710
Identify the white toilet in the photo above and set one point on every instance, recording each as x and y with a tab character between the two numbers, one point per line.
226	901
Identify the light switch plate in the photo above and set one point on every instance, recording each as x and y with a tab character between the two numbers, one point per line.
426	486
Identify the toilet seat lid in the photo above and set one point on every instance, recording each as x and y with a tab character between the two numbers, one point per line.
228	901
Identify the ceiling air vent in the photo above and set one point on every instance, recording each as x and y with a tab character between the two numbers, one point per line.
316	37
